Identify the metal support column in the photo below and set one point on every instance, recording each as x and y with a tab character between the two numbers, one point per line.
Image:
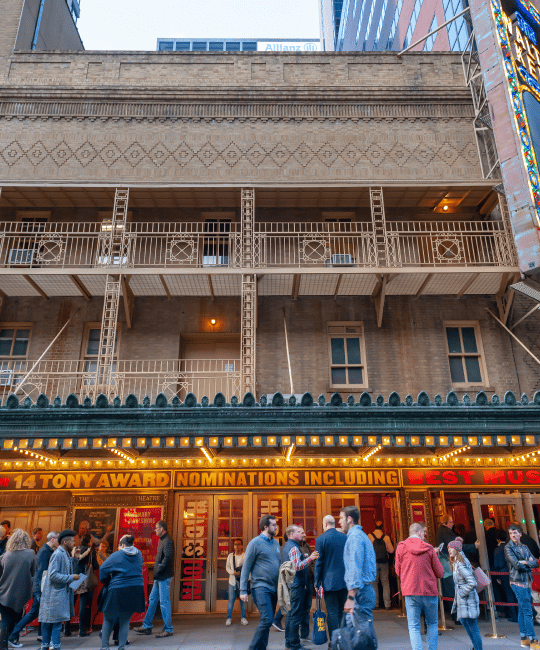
249	293
114	251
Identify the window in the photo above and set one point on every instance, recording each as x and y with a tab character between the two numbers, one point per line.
394	26
215	46
14	338
182	46
412	23
465	354
249	46
23	247
428	46
91	350
458	31
199	46
166	46
232	46
216	242
347	355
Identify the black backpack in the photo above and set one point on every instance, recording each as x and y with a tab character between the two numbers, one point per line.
381	554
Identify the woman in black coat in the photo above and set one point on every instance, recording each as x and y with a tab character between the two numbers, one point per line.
82	563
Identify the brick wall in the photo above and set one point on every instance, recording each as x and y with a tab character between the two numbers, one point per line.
407	354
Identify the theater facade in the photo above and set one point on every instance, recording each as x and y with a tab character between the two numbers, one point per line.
244	283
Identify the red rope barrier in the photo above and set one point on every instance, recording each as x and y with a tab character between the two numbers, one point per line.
484	602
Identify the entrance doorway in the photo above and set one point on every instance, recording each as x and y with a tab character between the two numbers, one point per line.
207	525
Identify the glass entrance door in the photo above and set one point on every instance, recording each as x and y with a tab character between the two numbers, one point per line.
195	539
231	516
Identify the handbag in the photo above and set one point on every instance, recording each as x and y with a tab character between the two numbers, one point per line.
482	580
354	634
91	581
319	625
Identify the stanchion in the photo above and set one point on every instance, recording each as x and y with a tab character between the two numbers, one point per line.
494	635
442	625
402	601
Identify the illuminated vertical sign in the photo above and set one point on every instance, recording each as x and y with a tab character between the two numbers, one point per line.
518	25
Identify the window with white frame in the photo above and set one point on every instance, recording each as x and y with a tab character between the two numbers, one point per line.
90	350
465	354
14	339
347	355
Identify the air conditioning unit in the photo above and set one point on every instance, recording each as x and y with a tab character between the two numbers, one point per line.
21	256
343	259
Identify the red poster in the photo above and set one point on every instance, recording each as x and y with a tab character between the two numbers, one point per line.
418	513
140	522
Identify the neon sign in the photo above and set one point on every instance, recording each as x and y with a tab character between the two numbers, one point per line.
522	66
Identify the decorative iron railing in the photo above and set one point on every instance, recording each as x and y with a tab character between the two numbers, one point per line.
140	377
443	243
276	245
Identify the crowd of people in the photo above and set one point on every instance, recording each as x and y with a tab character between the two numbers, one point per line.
349	565
345	569
53	576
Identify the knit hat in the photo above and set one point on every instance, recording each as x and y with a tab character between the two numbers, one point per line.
457	544
66	533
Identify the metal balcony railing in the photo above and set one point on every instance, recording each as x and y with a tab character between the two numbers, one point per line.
275	245
86	245
314	245
444	243
140	377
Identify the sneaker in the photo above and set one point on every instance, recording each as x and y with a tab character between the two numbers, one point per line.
14	643
228	622
280	629
244	621
163	634
143	630
525	643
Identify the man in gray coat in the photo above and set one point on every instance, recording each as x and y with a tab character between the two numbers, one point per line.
55	604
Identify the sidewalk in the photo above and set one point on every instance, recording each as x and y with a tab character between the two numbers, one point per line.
209	632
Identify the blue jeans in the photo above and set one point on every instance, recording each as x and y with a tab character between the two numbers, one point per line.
123	619
525	611
233	595
161	592
294	618
365	602
415	606
28	618
266	602
304	623
472	629
278	617
50	635
335	602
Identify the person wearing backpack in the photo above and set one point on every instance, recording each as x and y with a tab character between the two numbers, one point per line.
382	545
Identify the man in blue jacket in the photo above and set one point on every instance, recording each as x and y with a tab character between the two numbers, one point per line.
330	572
360	567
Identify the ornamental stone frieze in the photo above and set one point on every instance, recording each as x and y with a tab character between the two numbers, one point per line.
131	118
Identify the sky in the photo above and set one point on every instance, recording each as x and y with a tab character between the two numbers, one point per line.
137	24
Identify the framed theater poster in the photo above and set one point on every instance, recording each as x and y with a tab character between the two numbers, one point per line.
140	522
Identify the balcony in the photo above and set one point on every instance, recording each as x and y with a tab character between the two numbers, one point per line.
140	377
276	245
290	258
